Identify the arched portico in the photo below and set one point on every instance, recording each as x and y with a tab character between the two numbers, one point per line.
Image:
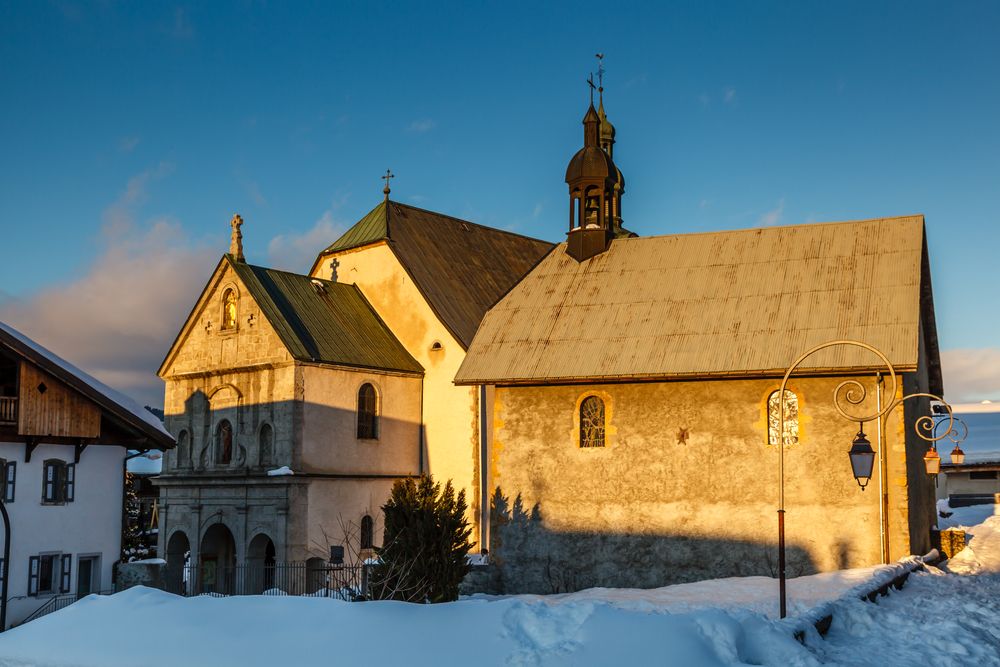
177	553
217	557
260	564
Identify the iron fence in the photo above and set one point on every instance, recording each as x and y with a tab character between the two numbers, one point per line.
345	582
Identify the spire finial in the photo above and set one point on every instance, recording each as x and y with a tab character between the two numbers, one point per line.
590	82
385	190
236	241
600	75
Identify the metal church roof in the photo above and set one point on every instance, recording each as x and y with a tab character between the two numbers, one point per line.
737	303
323	321
461	268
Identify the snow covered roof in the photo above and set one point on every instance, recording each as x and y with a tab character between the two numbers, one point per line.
113	401
150	463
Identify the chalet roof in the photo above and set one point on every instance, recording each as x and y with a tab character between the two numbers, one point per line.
738	303
126	411
461	268
323	321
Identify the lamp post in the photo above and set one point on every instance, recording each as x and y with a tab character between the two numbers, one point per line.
861	454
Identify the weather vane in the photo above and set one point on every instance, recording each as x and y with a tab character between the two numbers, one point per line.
388	175
600	71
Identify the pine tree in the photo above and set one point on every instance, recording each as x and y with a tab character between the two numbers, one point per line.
133	542
426	543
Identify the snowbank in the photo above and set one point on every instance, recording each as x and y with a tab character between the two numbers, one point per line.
982	552
280	472
258	631
756	594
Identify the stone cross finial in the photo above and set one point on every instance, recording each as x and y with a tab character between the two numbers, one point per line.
236	244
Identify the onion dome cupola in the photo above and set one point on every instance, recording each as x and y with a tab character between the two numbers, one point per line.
595	189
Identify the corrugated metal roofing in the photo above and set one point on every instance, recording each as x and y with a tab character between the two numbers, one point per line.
727	303
323	321
460	267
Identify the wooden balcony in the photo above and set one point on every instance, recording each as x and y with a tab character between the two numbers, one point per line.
8	410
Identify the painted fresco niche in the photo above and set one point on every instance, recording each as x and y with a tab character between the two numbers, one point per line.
225	446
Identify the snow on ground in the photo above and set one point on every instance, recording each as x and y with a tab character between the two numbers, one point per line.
756	594
982	550
938	618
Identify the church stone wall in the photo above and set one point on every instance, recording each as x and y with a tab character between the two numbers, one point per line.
329	425
686	488
450	413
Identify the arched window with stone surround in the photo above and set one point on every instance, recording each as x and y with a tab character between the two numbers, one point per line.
367	412
183	449
229	309
224	442
592	422
791	436
266	441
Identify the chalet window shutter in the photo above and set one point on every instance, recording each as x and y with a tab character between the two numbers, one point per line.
67	566
70	482
33	575
49	492
9	479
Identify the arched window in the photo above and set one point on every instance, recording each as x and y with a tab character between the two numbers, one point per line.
183	449
367	412
266	440
791	418
229	309
367	532
224	442
592	422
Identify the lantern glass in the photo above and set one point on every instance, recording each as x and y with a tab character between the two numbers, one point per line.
932	461
862	459
957	456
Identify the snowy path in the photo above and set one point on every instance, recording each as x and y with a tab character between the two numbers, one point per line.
937	619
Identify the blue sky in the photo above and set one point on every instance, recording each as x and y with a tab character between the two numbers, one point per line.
132	132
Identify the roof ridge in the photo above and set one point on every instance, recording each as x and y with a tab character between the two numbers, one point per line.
775	227
470	222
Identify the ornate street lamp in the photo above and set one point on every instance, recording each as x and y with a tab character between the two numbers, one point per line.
861	453
957	455
862	458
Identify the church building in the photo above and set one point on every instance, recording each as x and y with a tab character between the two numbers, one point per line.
633	397
298	400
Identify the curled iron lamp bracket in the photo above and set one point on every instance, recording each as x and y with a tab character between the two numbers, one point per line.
925	426
851	391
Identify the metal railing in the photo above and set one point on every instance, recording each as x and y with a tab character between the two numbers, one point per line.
59	602
8	409
345	582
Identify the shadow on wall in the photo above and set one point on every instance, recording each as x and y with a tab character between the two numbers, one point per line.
532	558
263	434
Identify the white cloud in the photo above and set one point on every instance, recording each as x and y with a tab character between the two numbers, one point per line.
120	215
773	217
971	375
252	189
128	144
117	320
421	125
296	252
729	96
704	99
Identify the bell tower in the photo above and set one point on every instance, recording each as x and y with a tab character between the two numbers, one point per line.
595	186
